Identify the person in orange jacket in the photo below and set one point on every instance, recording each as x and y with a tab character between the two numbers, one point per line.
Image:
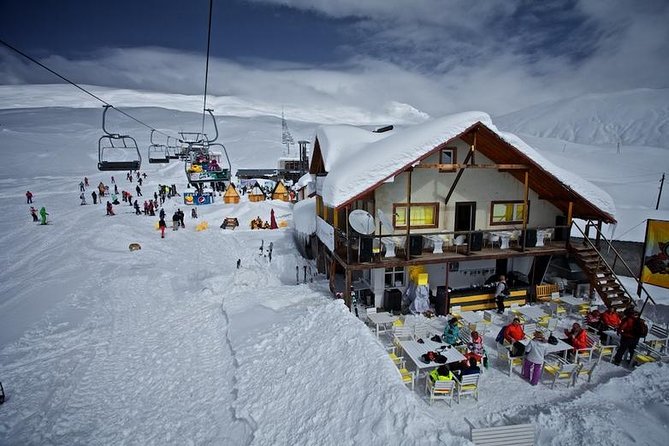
577	337
514	331
611	318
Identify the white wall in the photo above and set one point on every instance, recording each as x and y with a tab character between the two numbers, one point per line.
480	185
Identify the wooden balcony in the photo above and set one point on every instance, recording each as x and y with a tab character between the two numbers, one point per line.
443	247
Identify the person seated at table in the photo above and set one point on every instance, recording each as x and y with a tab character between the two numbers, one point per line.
475	347
576	337
441	373
610	319
593	319
470	368
452	332
514	331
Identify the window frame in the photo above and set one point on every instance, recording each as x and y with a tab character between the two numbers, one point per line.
507	202
434	204
392	272
454	158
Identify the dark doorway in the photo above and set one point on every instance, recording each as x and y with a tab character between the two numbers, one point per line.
465	213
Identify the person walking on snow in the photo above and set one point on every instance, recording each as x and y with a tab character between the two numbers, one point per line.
137	211
175	221
81	186
193	213
162	225
29	197
162	213
33	212
95	197
112	180
181	218
139	191
534	359
86	181
43	213
110	209
82	197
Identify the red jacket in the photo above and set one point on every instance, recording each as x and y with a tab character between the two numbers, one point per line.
611	319
579	340
626	327
514	333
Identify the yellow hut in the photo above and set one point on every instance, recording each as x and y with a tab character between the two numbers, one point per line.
231	195
280	192
256	194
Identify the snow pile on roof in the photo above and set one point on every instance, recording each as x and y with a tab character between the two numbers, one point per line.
366	158
304	216
361	165
304	180
338	142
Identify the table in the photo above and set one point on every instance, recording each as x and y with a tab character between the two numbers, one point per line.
415	350
381	319
613	334
532	313
573	301
434	325
560	347
471	317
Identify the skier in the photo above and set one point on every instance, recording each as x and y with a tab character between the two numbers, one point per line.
139	191
139	180
82	197
115	189
175	221
95	197
162	225
273	224
137	211
193	213
43	213
112	180
162	214
110	209
86	181
81	186
33	212
181	218
29	197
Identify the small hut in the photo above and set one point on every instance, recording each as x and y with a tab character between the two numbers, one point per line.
256	194
280	192
231	195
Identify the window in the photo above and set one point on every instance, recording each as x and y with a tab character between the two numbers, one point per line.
394	277
423	215
448	156
507	212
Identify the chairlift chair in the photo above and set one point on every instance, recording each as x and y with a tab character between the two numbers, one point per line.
157	152
117	152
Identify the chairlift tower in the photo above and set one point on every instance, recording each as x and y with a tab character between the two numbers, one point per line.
286	137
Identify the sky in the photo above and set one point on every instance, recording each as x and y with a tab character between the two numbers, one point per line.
437	56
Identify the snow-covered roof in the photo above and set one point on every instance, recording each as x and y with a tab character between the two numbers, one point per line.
304	216
303	181
357	160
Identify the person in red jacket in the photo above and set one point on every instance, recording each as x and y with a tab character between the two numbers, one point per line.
630	331
514	331
577	337
610	318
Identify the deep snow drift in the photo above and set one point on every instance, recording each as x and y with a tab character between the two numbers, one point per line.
175	345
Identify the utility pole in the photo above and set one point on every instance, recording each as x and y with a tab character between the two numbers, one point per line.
659	194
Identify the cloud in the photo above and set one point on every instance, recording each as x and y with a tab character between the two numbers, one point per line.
403	63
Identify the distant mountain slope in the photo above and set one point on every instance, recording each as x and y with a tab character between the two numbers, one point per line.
634	117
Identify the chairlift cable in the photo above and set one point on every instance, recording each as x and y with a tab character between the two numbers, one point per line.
206	69
35	61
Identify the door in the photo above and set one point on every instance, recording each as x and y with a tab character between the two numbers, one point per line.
465	215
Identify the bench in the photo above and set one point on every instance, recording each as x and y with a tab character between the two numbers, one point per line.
662	333
511	435
230	222
543	293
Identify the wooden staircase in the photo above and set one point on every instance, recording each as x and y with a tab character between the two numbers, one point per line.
602	278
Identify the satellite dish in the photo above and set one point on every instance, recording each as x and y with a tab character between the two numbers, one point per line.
362	221
384	220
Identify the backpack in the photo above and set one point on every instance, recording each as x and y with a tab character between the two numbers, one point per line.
640	328
500	336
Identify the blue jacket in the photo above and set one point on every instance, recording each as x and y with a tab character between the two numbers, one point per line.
451	334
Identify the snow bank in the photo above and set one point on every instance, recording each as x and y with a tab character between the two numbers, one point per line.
304	216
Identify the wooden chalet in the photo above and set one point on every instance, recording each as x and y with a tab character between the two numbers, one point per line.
231	196
280	192
453	196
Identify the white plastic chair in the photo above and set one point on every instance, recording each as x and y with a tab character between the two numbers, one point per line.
459	241
467	385
440	390
492	239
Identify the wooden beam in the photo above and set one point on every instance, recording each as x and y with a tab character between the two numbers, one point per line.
407	244
454	167
348	237
570	213
525	198
348	286
455	181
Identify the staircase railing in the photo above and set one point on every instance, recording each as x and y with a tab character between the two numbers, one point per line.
617	256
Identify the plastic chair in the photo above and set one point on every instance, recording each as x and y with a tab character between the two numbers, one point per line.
561	371
408	377
459	241
586	369
440	390
492	239
467	385
504	357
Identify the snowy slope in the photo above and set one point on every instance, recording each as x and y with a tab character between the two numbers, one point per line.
173	344
634	118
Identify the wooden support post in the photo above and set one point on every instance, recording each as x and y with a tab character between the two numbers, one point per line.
457	178
407	244
447	297
347	288
348	237
599	237
525	198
